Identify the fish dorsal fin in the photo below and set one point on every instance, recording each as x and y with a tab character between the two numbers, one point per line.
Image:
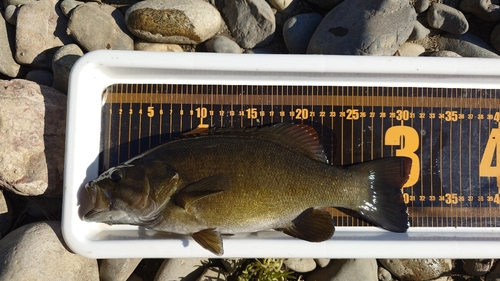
313	225
201	189
300	138
209	239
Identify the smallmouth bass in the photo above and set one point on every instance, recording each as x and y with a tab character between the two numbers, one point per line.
231	181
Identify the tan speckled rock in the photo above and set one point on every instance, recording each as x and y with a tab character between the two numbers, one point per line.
174	22
416	269
41	27
37	252
143	45
33	128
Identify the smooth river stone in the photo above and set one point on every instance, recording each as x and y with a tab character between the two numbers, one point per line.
360	27
174	22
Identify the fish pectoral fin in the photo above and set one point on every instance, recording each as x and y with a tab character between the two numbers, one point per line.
201	189
313	225
209	239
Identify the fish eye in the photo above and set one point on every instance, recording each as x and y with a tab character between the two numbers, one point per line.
116	175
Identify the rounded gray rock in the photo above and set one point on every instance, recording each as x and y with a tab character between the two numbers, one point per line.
416	269
67	6
300	265
421	5
495	37
86	27
483	9
32	146
222	44
10	14
174	22
359	27
41	27
283	5
322	262
6	215
477	267
419	31
143	45
40	76
298	30
8	65
466	45
37	252
251	22
347	270
17	2
117	269
446	18
63	61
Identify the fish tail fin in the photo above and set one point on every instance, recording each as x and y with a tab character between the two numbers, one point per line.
384	204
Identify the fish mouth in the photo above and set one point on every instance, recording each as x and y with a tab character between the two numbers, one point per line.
101	201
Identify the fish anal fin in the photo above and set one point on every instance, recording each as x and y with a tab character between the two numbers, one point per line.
201	189
209	239
314	225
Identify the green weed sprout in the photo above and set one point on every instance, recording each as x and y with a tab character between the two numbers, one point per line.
266	270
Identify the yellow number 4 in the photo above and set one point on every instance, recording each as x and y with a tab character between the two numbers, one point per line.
492	150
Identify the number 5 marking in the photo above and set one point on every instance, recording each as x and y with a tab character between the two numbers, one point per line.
407	138
485	167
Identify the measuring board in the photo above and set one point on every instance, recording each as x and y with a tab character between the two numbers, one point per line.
444	116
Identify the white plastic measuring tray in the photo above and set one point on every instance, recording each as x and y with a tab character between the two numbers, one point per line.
441	112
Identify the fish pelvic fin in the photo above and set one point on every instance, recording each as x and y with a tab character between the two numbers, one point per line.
384	204
209	239
313	225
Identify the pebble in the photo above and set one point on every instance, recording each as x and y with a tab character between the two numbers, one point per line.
384	274
85	26
483	9
477	267
421	5
360	27
410	50
416	269
326	4
213	274
283	5
117	269
40	76
298	30
6	215
181	269
322	262
63	61
251	22
8	65
10	14
419	31
346	270
300	265
37	252
446	18
41	27
222	44
495	37
445	54
143	45
466	45
32	146
67	6
174	21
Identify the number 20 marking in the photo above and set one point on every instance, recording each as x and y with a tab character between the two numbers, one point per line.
407	138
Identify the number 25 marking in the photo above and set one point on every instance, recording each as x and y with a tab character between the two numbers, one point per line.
407	138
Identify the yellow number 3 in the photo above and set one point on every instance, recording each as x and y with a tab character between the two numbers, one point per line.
407	138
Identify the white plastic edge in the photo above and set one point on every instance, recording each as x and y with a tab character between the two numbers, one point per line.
99	69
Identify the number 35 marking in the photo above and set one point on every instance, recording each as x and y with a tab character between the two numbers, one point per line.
407	138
